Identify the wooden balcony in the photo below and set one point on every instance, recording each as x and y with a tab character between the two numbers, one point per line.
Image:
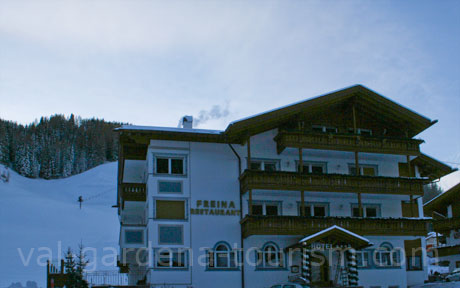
304	226
444	251
280	180
133	192
446	225
348	142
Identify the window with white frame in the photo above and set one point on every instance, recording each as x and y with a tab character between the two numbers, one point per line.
364	169
386	256
323	129
414	263
270	256
170	234
314	209
266	208
362	258
171	258
222	257
361	131
170	187
265	165
134	236
170	165
313	167
369	210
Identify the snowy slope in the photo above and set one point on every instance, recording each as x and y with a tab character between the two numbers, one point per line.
37	213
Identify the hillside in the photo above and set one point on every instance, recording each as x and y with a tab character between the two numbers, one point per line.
57	147
38	213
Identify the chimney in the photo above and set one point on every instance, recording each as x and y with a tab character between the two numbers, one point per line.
187	122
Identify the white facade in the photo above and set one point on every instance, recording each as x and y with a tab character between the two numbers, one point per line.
212	175
198	183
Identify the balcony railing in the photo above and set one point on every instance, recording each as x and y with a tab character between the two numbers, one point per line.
133	192
280	180
347	142
446	225
304	226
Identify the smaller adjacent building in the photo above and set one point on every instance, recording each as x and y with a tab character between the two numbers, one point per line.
445	210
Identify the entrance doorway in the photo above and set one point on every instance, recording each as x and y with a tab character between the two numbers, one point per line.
320	269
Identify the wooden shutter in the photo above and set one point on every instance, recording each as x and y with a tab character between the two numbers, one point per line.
403	171
413	247
211	259
170	209
406	209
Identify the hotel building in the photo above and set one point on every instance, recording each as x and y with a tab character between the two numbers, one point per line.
326	191
445	210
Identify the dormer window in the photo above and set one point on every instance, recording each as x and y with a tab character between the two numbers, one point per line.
323	129
360	131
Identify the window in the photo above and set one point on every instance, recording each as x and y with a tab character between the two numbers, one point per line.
171	234
323	129
172	165
134	236
170	209
265	165
313	167
171	258
369	210
266	208
366	170
270	257
315	209
169	187
362	258
413	250
414	263
385	256
222	257
361	131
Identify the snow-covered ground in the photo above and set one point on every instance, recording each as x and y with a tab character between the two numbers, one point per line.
438	285
39	216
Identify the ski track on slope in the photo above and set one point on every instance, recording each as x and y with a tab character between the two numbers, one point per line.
38	213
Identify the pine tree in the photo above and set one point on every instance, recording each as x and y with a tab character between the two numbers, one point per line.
70	270
57	147
81	264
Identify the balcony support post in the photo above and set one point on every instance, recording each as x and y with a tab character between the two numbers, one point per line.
409	172
248	144
302	193
358	172
250	202
355	130
248	167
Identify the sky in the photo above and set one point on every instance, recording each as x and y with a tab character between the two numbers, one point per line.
151	62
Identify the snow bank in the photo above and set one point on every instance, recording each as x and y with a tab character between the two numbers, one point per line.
39	216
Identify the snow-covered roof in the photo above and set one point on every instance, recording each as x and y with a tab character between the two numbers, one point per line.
168	129
453	190
332	228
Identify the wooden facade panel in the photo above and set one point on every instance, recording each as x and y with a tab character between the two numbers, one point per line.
303	226
347	142
280	180
446	225
409	210
446	251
